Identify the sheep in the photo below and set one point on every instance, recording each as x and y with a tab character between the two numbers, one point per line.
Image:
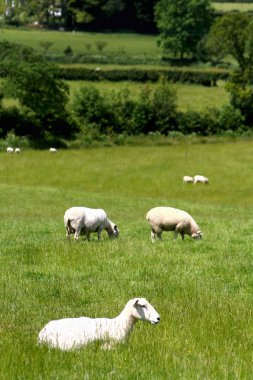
171	219
52	150
17	150
187	179
201	179
87	220
73	333
9	149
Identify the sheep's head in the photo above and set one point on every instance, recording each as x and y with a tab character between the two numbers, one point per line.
113	231
144	311
197	235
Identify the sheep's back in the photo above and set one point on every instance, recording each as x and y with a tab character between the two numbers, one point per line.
87	217
167	217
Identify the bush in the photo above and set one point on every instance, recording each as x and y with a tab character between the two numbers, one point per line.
164	105
14	141
230	119
22	121
123	108
204	77
91	108
68	50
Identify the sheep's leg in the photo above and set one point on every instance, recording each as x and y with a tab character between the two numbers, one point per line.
78	230
67	233
153	235
99	234
175	235
182	235
159	235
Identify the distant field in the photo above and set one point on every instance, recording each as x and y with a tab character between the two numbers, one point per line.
202	290
192	97
120	43
227	7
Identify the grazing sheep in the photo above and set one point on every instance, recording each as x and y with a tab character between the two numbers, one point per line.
187	179
9	149
17	150
52	150
85	220
200	179
171	219
73	333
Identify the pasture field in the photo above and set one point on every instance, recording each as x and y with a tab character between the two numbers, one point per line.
132	44
202	290
228	7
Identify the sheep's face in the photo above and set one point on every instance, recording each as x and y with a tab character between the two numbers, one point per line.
143	310
197	236
114	232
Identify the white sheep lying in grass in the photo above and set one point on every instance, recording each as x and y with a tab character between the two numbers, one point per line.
187	179
171	219
72	333
200	179
86	220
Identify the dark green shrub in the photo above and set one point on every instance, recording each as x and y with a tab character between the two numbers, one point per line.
144	112
165	109
230	119
21	121
123	106
68	50
204	77
101	45
91	108
189	122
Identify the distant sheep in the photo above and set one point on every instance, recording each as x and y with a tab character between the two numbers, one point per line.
9	149
86	220
187	179
73	333
200	179
52	150
17	150
171	219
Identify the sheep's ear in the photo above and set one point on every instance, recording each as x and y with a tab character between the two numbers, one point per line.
136	302
115	228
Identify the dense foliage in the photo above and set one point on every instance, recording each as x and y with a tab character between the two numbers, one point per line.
45	114
42	96
90	14
182	24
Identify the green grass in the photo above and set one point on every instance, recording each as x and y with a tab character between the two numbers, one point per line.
228	7
117	43
189	96
203	290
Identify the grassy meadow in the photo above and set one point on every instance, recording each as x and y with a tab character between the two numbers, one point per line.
116	43
230	6
202	290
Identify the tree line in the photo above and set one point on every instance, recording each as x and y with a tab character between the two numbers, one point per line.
45	113
135	15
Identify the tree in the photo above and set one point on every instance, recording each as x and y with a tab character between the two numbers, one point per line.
182	24
34	82
232	34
